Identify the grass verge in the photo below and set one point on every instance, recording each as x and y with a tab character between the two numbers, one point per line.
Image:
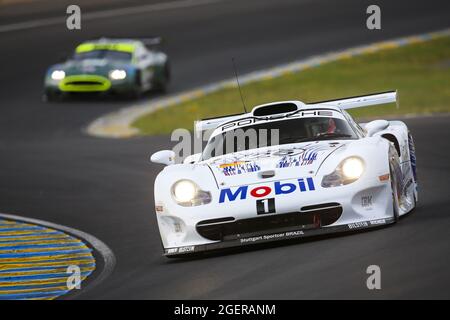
420	72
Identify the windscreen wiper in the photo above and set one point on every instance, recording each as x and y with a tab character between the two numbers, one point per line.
328	135
295	140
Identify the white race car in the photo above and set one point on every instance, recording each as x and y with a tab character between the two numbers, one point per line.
325	174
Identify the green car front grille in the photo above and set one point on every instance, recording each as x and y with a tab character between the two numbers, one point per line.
84	83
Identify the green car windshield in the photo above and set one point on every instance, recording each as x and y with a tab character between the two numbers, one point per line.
103	54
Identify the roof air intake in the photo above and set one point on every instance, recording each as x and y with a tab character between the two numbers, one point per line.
276	108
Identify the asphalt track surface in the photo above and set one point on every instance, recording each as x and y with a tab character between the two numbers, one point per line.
50	170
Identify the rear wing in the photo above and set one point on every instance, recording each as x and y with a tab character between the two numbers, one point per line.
151	42
361	101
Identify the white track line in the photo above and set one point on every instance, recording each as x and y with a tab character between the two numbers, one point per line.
109	260
106	14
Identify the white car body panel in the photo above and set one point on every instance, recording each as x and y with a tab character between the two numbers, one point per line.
232	178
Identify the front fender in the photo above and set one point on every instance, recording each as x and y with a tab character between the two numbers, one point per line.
373	150
200	174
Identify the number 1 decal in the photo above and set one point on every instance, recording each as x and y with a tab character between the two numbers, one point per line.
265	206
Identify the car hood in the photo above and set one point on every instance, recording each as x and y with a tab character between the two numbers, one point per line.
92	66
275	163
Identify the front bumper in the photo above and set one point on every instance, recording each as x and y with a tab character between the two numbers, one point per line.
363	204
86	83
275	235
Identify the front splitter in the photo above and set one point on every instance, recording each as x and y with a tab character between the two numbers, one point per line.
274	235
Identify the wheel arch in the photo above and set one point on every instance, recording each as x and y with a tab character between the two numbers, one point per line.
397	133
392	138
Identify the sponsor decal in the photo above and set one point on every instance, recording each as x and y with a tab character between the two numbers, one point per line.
238	167
186	249
302	156
226	165
306	158
366	202
264	206
406	177
377	222
273	236
412	156
181	250
384	177
261	191
289	157
298	114
159	208
358	225
246	157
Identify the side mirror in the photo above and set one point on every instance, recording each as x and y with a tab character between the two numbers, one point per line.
193	158
376	126
166	157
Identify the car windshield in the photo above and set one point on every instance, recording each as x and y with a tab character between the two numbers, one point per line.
103	54
281	132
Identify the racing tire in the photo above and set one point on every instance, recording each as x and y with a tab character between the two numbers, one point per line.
51	96
136	92
162	85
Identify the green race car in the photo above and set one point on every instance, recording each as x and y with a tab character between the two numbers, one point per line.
118	66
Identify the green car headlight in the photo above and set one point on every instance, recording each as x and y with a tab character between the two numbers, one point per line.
117	74
58	75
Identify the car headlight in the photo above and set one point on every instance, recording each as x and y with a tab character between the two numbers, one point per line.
352	168
187	194
117	74
58	75
348	171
